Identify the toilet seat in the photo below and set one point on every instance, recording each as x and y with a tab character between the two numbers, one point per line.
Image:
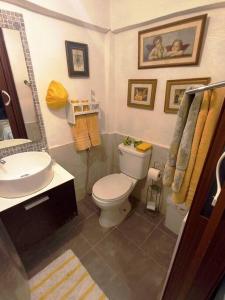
112	187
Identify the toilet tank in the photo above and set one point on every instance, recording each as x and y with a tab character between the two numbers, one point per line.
133	162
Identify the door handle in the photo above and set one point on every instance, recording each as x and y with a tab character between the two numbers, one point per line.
8	96
218	179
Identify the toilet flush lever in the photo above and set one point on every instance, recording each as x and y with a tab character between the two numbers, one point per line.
8	96
218	179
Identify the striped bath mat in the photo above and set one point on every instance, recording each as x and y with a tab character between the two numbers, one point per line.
65	279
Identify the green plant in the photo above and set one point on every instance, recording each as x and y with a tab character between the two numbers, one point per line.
136	143
129	141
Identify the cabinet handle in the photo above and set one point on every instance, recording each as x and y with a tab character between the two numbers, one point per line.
36	203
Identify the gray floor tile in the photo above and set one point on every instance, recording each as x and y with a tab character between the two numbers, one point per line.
136	228
154	217
117	289
117	251
86	208
128	262
67	237
92	230
145	277
98	268
159	246
166	230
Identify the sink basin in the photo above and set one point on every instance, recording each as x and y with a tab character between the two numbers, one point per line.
25	173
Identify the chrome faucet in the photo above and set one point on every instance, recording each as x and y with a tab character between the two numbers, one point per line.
2	161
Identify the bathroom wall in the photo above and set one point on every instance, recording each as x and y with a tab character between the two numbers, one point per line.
46	38
113	60
127	13
96	12
156	126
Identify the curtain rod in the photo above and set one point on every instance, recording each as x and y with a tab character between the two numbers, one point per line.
206	87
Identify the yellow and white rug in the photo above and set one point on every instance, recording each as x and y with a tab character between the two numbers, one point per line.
65	279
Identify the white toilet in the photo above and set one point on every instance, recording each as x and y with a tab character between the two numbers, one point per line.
111	192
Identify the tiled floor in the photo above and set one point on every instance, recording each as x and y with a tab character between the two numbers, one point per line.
129	262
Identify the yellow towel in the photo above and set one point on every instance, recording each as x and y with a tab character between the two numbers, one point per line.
80	133
86	132
93	129
216	103
143	147
180	196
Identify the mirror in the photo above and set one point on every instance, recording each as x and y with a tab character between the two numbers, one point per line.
18	118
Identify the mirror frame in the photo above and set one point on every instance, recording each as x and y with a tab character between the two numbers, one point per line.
15	21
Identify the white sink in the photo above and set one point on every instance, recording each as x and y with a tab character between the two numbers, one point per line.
25	173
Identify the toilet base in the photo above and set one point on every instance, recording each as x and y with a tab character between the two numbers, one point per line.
114	216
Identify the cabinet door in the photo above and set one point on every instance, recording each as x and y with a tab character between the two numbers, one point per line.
38	217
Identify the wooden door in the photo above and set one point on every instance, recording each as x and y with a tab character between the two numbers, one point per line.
199	264
7	85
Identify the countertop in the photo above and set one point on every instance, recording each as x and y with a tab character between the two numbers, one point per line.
60	176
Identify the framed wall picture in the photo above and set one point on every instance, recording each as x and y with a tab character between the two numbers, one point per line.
174	44
175	90
77	59
141	93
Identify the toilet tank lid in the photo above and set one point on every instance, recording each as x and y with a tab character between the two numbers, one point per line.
134	151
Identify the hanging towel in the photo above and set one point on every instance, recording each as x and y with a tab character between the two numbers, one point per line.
181	195
182	115
186	142
80	133
93	129
216	103
86	132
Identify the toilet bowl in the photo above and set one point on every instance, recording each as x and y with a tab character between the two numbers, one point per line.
110	194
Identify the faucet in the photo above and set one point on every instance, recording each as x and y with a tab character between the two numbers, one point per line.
2	161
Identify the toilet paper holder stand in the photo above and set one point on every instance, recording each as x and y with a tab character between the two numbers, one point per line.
154	191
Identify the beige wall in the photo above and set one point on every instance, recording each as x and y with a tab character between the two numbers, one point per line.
128	12
156	126
113	60
46	39
96	12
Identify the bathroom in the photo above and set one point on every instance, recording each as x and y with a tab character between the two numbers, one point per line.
131	259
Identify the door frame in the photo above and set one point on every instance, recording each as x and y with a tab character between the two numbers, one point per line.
201	236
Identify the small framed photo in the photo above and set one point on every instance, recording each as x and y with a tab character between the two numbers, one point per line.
174	44
141	93
175	90
77	59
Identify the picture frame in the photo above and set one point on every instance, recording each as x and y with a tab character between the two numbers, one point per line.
174	44
175	90
141	93
77	59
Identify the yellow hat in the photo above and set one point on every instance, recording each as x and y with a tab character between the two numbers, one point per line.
57	95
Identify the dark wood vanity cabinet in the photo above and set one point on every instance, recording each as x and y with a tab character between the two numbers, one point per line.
33	220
